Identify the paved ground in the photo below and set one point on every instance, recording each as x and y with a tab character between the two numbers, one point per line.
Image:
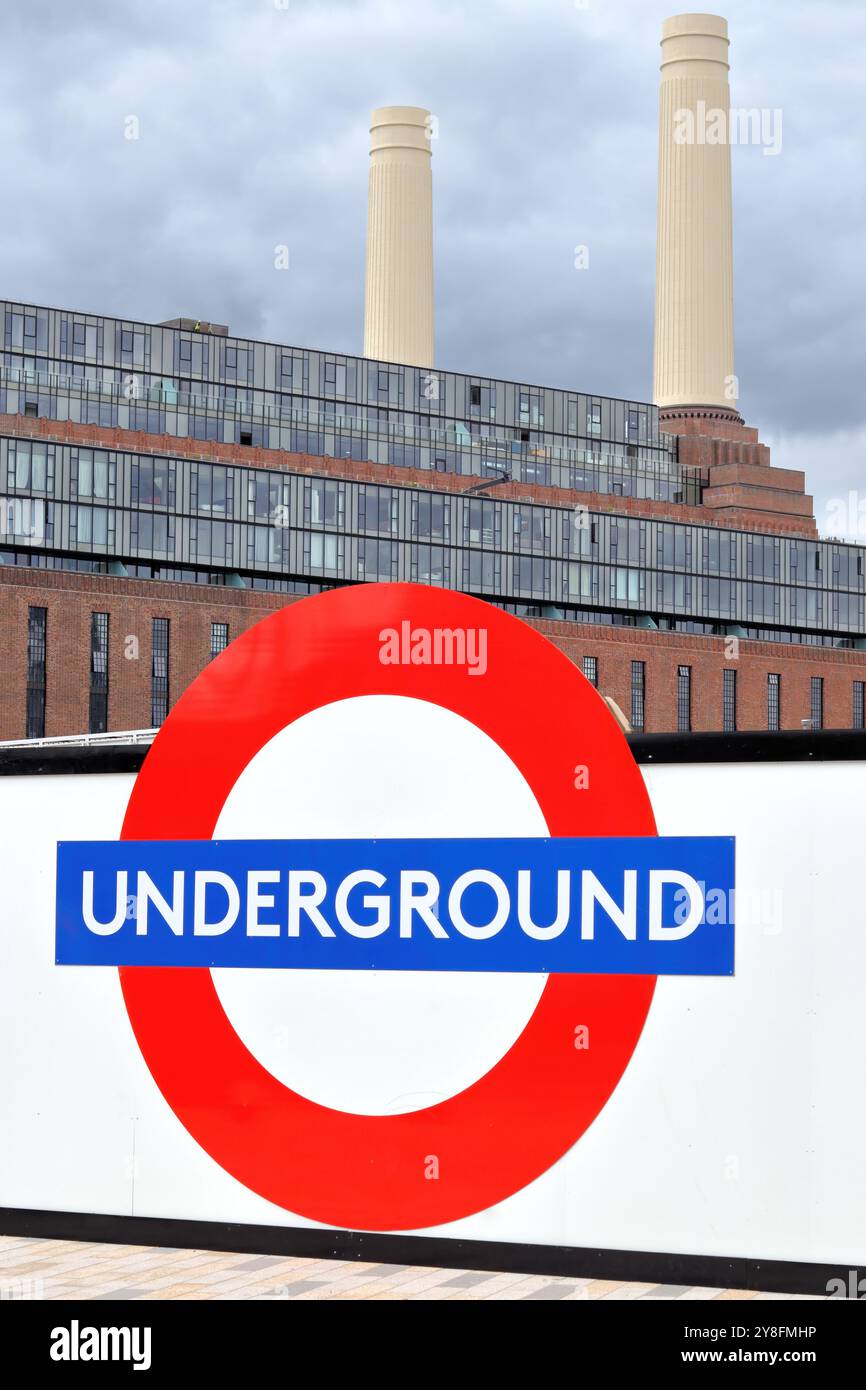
57	1269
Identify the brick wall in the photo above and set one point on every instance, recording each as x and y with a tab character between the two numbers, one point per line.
132	604
743	488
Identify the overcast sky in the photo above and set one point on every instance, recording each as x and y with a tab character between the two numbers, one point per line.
252	133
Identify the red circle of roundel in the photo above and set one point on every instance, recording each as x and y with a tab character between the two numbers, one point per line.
502	1132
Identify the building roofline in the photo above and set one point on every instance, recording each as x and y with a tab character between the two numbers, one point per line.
328	352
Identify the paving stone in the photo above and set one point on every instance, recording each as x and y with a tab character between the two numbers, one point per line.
260	1262
466	1281
549	1292
119	1294
72	1270
299	1286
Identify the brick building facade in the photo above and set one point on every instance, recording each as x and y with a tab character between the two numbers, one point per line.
660	550
192	611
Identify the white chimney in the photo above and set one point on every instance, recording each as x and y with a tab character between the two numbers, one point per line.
398	302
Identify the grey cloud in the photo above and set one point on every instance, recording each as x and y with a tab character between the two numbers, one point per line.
254	134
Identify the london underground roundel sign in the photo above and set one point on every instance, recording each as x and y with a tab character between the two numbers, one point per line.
600	934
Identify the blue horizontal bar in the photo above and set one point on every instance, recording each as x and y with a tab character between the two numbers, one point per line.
602	906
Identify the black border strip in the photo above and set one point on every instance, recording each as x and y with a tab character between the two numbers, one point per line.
757	746
787	746
62	759
316	1243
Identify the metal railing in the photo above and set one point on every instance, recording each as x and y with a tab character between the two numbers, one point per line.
124	736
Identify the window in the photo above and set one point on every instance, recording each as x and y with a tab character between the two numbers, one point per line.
638	696
430	564
323	552
325	505
531	531
213	489
37	622
153	483
590	669
816	703
93	474
625	585
729	701
33	467
159	672
684	699
474	395
859	688
377	559
23	518
377	509
774	701
153	532
219	638
268	499
89	525
212	541
98	673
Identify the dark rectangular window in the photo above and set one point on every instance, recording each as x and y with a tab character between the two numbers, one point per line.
859	689
816	702
729	701
774	701
37	623
684	699
98	673
590	669
159	672
219	638
638	696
